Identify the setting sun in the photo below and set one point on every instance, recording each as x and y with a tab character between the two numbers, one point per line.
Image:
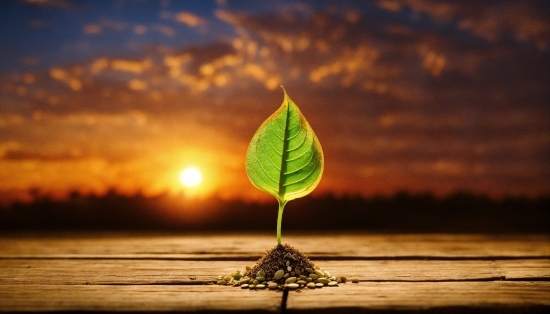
191	177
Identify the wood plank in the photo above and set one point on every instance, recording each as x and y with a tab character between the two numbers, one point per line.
439	297
411	270
251	246
44	298
146	272
113	272
348	298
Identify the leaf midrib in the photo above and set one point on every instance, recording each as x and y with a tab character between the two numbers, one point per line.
284	154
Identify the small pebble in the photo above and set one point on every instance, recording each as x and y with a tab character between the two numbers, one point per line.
294	278
279	274
293	286
244	281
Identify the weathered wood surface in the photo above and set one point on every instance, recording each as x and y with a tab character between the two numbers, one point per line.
228	247
441	296
434	273
344	299
136	298
151	272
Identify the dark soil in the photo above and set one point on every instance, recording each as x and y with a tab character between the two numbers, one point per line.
277	258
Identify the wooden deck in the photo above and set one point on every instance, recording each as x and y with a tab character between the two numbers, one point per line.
156	273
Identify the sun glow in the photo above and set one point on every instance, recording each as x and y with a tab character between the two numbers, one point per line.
191	177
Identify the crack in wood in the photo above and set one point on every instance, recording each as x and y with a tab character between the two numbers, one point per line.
204	283
254	258
284	300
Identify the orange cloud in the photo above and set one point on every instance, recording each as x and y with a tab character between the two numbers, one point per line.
165	30
189	19
136	84
350	63
68	78
131	66
434	63
92	29
390	5
140	29
7	120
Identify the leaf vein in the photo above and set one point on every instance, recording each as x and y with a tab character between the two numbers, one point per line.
307	176
266	156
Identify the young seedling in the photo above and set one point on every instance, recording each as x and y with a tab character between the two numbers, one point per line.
285	158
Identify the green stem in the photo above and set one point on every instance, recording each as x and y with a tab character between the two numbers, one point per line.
280	219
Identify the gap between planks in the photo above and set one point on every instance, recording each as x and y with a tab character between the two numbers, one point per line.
222	257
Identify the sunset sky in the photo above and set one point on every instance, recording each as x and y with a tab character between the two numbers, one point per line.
414	95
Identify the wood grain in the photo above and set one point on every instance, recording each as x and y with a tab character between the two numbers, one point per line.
252	246
344	299
45	298
430	273
156	272
503	296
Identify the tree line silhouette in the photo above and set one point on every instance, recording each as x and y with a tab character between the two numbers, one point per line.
460	212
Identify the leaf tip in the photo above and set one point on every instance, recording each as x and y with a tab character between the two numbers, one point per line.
284	91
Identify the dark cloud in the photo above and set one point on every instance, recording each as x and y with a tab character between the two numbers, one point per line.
53	4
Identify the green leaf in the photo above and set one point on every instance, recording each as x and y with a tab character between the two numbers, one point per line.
285	158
